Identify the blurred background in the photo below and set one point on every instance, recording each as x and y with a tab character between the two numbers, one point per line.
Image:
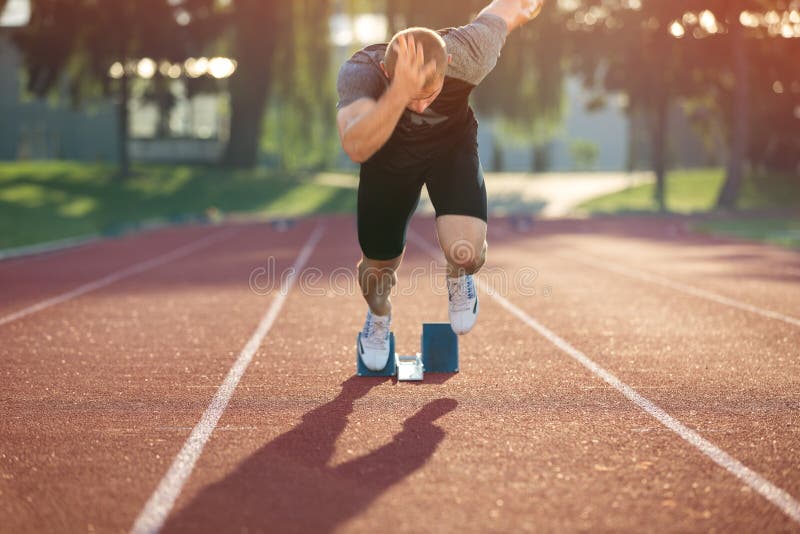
119	114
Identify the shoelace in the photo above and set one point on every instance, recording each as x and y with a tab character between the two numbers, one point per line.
375	332
462	292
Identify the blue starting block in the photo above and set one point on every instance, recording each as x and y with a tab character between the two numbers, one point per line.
391	365
439	355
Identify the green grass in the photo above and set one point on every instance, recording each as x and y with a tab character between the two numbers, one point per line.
693	191
783	232
47	201
696	191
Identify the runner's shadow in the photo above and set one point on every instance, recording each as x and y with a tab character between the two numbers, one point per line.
288	486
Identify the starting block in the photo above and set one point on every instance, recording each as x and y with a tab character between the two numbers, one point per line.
439	355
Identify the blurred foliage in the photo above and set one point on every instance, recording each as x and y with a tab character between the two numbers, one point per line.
437	15
525	92
724	76
282	98
256	32
617	48
78	40
301	120
69	46
584	154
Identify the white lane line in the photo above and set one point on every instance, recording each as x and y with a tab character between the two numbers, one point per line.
137	268
777	496
158	507
679	286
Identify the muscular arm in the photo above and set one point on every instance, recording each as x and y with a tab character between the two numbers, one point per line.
514	12
366	124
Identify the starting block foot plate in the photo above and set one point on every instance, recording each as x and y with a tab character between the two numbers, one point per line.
439	348
391	365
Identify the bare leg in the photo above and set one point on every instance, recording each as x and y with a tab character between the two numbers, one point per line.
377	278
463	241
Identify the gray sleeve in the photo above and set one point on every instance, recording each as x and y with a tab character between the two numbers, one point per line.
359	80
476	47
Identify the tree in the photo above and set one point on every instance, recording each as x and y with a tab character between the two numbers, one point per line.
75	42
720	62
699	53
301	123
283	79
741	116
626	48
774	140
524	93
256	25
762	95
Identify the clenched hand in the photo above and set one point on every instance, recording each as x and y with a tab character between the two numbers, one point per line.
531	8
411	72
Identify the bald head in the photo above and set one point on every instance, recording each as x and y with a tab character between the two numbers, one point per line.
433	47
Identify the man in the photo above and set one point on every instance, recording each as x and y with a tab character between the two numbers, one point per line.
404	115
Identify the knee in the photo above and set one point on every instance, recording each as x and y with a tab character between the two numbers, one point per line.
465	256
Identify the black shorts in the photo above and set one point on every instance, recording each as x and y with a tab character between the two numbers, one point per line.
388	196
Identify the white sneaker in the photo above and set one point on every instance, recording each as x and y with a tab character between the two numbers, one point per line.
463	297
373	344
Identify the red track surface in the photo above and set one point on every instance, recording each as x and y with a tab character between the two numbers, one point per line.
99	393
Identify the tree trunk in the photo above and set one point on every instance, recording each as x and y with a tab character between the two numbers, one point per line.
498	160
256	25
391	16
660	127
540	158
632	157
164	102
123	128
729	193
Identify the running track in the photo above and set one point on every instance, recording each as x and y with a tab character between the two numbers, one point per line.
647	379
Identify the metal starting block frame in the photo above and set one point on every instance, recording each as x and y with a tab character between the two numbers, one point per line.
439	355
